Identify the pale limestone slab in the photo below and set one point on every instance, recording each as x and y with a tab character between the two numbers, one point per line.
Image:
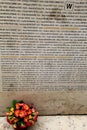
48	103
53	123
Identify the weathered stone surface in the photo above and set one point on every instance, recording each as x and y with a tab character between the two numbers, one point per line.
48	103
53	123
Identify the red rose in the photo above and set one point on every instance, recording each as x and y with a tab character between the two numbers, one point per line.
33	110
8	120
25	107
35	118
30	123
17	113
22	113
26	119
29	112
17	105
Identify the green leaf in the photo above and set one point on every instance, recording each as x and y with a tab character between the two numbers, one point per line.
21	101
14	103
34	113
8	109
10	117
22	122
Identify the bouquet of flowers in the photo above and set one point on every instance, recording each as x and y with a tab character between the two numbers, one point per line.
21	115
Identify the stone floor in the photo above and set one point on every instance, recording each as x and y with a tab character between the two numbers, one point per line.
53	123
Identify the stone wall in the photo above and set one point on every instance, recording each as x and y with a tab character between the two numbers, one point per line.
43	54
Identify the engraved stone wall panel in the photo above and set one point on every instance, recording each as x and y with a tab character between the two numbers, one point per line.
43	47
